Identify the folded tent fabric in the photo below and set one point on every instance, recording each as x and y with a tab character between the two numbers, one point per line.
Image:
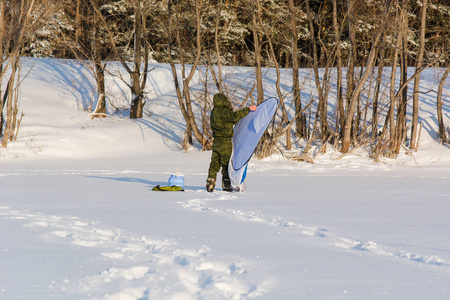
172	188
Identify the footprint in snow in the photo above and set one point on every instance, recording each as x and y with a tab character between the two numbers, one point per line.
154	268
369	246
200	205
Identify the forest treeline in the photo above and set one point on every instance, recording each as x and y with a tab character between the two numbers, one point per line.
348	44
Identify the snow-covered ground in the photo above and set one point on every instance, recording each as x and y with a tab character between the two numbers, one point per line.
78	218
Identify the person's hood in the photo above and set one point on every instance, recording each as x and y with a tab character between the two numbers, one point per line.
220	100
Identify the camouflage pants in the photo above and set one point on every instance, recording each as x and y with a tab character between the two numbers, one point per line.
221	154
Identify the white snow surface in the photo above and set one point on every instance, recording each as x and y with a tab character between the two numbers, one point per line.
78	218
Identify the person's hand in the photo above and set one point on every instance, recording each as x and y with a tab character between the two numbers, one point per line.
253	107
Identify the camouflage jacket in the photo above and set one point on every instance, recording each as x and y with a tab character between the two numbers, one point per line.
223	117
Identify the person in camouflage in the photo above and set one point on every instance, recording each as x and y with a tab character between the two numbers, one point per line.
223	119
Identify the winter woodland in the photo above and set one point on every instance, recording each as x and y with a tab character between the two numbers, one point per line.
366	59
347	193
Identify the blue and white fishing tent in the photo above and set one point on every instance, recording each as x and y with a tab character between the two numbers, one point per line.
247	133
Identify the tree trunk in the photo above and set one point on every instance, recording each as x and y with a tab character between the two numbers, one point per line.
9	102
300	120
100	110
340	119
2	34
419	61
3	101
78	27
442	133
352	54
392	94
216	44
172	65
257	45
375	113
137	104
402	102
321	109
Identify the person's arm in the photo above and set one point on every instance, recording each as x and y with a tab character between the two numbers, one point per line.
234	116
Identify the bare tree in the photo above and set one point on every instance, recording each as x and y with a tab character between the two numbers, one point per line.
138	73
2	35
353	53
99	68
255	13
340	119
266	144
138	76
300	122
321	86
376	98
218	78
419	62
183	94
369	64
19	20
392	88
442	133
8	99
403	96
78	24
88	48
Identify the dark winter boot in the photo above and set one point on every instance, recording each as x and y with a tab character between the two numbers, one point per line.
226	185
210	184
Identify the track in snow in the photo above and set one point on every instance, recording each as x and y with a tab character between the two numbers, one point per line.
156	268
348	243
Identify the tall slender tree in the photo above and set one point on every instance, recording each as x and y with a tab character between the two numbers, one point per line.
340	119
392	87
255	10
419	62
439	101
369	65
352	48
403	96
321	113
99	67
183	93
300	123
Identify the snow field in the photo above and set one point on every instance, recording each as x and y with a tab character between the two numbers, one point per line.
79	220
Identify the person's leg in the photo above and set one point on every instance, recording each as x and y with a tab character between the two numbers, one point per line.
225	156
214	168
224	161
